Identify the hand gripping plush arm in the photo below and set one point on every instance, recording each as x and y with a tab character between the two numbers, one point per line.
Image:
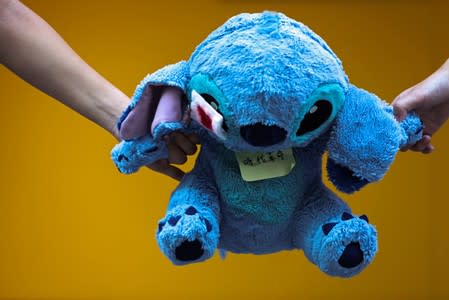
153	113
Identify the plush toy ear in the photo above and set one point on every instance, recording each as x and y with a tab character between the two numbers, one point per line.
158	98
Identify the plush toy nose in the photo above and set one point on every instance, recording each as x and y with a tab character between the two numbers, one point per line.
263	135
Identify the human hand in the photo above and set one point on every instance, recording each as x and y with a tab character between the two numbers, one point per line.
430	100
179	145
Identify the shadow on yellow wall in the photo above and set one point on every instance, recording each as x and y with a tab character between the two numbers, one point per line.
72	227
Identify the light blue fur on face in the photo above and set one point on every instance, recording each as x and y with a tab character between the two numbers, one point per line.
277	86
267	67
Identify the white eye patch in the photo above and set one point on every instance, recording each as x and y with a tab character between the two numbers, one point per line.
206	115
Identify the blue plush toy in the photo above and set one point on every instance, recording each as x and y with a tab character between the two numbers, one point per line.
268	98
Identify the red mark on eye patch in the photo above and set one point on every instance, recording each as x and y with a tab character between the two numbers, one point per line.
204	118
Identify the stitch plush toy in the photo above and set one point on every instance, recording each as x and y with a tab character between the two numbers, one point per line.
268	97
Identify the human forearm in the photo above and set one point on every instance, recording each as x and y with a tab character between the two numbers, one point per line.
33	50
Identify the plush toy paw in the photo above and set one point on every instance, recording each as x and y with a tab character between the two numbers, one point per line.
188	235
130	155
347	245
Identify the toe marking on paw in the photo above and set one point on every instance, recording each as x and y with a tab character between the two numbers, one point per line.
191	211
365	218
328	227
160	226
174	220
122	157
346	216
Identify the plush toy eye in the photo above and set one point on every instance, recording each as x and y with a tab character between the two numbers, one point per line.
214	103
211	100
315	117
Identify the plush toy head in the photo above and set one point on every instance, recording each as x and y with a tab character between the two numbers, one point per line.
276	84
268	97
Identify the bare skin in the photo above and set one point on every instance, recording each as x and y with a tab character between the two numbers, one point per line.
33	50
430	100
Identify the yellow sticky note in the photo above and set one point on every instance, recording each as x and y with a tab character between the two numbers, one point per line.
264	165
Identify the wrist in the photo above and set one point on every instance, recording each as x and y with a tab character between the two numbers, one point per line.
106	104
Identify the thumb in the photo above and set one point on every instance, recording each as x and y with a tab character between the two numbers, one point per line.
400	112
404	103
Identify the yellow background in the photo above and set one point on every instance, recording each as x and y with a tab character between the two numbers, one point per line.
72	227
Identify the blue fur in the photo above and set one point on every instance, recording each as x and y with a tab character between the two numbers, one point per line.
271	70
130	155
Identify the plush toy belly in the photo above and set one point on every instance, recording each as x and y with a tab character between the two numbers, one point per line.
244	234
265	202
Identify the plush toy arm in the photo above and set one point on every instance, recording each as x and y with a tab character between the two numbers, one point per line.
155	111
365	139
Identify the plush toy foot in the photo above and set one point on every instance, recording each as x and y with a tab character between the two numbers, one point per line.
346	246
188	235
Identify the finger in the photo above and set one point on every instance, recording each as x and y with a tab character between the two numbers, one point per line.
422	144
162	166
405	148
175	154
194	138
428	149
400	112
183	142
406	102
